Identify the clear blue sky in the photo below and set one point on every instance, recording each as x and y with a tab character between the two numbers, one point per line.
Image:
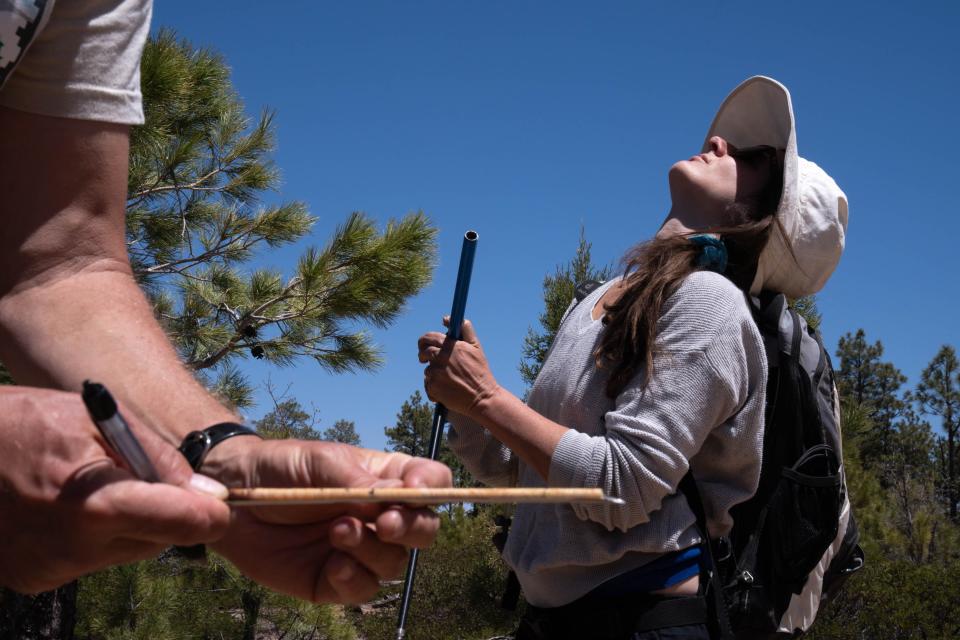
524	120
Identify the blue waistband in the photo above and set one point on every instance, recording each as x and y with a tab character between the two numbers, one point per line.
667	570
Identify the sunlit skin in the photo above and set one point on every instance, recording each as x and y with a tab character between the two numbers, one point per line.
70	309
458	375
703	186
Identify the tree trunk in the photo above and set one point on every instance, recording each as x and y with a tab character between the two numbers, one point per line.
47	616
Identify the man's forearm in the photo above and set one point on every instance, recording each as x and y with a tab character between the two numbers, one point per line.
69	306
96	323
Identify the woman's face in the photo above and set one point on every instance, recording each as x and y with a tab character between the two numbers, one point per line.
708	183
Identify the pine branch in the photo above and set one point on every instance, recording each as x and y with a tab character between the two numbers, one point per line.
197	169
156	189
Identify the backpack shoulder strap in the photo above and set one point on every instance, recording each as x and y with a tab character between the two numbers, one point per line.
586	288
581	291
714	587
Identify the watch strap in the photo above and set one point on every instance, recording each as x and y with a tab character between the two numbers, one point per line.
195	447
197	444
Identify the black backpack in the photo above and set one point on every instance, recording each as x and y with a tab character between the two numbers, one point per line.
795	542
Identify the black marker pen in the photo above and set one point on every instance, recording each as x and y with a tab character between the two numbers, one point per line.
116	431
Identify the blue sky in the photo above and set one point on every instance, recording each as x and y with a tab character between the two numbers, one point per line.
524	120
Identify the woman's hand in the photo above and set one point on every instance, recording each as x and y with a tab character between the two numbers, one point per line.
67	509
457	374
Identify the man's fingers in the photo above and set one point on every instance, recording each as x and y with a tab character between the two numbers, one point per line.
152	512
409	527
170	464
420	472
299	463
412	471
349	582
383	559
125	550
308	514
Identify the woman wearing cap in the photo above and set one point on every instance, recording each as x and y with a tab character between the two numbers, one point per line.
652	374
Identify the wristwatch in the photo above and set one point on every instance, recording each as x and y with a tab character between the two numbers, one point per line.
195	448
197	444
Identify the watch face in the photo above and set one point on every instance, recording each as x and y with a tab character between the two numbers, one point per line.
195	447
197	443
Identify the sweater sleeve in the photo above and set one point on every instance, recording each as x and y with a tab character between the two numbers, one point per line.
700	381
488	459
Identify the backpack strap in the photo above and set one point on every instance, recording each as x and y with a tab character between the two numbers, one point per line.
721	629
579	294
586	288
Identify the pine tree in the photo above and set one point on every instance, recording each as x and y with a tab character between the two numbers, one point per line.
808	310
459	584
938	393
867	381
198	168
858	362
287	419
910	471
344	431
411	432
558	292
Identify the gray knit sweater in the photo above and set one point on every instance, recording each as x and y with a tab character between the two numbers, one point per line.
703	408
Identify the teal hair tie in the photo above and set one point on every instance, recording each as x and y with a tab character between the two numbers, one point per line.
713	252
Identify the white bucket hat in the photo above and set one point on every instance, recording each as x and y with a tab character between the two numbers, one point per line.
812	209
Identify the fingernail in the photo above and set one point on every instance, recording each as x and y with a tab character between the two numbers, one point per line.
346	534
208	486
390	530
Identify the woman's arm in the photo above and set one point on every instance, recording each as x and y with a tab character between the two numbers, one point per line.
459	377
653	434
710	381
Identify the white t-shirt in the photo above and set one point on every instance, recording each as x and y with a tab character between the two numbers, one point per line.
74	58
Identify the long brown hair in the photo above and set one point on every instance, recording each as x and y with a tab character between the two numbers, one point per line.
653	272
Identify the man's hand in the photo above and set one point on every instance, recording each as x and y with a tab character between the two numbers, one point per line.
329	553
67	509
70	309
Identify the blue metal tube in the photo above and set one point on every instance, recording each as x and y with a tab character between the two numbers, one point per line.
440	412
